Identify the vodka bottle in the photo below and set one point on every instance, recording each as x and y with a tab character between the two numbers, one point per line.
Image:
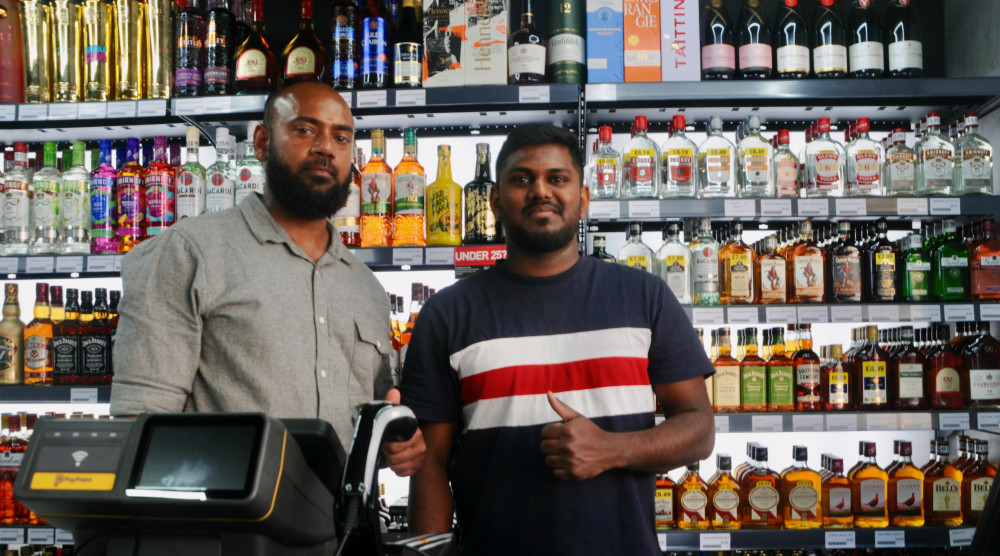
900	167
786	167
635	253
74	203
642	164
864	164
191	181
974	161
716	163
606	165
705	265
935	160
679	163
674	261
824	164
756	178
220	177
44	213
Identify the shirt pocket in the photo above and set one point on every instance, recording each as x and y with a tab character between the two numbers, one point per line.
370	361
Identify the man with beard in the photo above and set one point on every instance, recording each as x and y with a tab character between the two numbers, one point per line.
261	307
532	380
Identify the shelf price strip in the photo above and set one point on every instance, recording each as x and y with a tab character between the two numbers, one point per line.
961	537
41	536
840	539
890	539
715	541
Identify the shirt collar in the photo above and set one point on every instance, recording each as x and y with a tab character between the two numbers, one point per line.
266	229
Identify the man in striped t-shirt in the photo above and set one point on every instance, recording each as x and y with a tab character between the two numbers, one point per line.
532	381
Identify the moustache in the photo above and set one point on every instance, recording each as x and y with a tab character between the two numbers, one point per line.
325	164
554	206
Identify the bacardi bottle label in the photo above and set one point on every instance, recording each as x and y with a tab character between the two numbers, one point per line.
753	385
905	54
190	191
976	168
676	269
726	504
901	170
727	386
938	167
252	64
947	496
772	280
641	262
15	209
793	58
788	178
694	504
718	165
840	384
219	192
980	492
301	61
947	380
839	502
757	165
664	504
740	275
984	384
847	275
247	183
873	382
37	352
909	497
607	172
706	270
885	274
872	498
763	500
827	170
641	168
376	193
780	385
866	165
807	383
348	218
803	501
808	275
911	380
680	162
45	203
985	276
73	203
526	58
410	194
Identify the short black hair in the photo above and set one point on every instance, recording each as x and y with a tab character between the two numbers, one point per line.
534	135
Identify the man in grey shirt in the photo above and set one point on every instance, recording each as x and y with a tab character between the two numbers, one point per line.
261	307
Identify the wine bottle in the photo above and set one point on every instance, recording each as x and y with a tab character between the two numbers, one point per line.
408	52
793	42
526	50
754	41
256	65
906	51
345	21
219	47
866	56
829	41
718	55
304	58
376	45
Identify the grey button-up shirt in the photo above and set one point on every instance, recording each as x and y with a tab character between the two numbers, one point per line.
224	312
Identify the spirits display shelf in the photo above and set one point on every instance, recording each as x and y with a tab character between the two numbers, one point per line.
786	539
54	394
60	266
944	420
34	534
791	103
844	313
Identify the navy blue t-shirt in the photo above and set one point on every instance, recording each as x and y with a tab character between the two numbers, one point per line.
483	355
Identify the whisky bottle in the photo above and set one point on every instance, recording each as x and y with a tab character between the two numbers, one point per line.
66	343
942	490
131	67
807	373
868	494
38	341
753	376
11	339
762	507
692	500
526	50
806	262
881	267
12	448
906	377
726	392
600	251
444	204
981	381
836	382
480	222
705	265
836	497
977	480
724	494
736	268
801	491
871	369
673	261
408	205
780	376
664	502
377	193
906	486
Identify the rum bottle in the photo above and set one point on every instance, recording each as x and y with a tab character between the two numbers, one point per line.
942	490
771	274
130	200
806	262
11	339
807	373
762	507
664	501
480	223
250	176
835	496
191	180
705	265
726	381
869	491
801	493
836	382
977	480
408	204
377	193
256	65
845	266
444	204
38	341
304	58
724	493
906	486
736	266
220	177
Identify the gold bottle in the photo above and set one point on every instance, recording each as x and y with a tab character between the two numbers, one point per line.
67	18
159	48
11	339
37	37
98	51
130	49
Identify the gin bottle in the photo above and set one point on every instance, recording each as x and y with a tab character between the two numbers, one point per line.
679	163
74	203
716	163
950	267
974	164
220	178
864	164
674	261
824	164
900	167
935	160
191	181
44	214
249	171
705	265
756	177
642	164
606	165
786	167
635	253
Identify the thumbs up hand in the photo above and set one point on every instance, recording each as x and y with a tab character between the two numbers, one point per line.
576	448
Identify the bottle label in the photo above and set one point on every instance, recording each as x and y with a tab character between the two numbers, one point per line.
807	383
719	165
526	58
606	170
190	194
102	203
985	275
847	276
444	214
753	385
867	56
65	353
641	168
694	503
976	168
788	178
906	54
772	280
718	57
407	69
680	163
911	380
872	497
955	262
804	501
190	77
938	167
37	352
866	170
73	203
301	61
16	205
984	384
918	266
11	461
566	47
780	389
159	201
830	58
740	275
827	170
980	492
664	504
909	497
219	191
95	350
252	64
638	261
409	194
344	66
479	219
947	496
726	392
763	500
706	270
839	502
129	195
885	275
873	382
793	59
376	193
808	275
901	170
757	165
839	388
947	381
348	218
675	269
45	203
374	47
755	55
726	504
248	182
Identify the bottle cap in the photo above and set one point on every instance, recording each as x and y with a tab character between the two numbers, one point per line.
678	122
836	466
604	133
800	453
836	352
933	120
42	291
693	466
753	122
56	292
783	137
824	125
220	134
724	462
863	125
971	119
869	449
640	123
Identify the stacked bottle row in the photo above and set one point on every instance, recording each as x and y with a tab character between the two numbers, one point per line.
402	323
752	496
959	164
893	373
64	344
14	437
825	48
858	264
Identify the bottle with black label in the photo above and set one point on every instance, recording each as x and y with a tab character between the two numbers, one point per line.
480	223
408	52
95	344
66	343
566	52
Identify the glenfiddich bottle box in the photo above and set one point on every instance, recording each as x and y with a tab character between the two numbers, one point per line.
680	46
642	40
444	33
605	41
484	50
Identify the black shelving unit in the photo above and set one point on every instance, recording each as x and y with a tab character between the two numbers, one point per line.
787	539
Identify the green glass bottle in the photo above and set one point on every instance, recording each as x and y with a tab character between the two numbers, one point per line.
917	276
950	267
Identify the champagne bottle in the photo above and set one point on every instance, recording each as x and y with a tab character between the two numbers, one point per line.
718	55
829	41
754	41
906	51
793	42
866	57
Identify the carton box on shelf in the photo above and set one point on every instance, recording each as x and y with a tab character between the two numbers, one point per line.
642	40
605	41
484	52
444	33
680	50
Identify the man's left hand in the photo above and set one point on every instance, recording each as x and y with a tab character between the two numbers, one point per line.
407	457
576	448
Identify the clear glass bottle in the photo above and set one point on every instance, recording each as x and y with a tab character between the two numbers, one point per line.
635	253
900	167
864	163
220	180
705	265
935	160
673	259
44	213
824	164
103	202
191	180
641	159
756	173
679	163
974	161
716	163
250	176
74	203
606	164
786	167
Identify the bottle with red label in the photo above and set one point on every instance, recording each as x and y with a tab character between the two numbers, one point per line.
606	166
691	496
304	58
256	64
679	163
160	190
864	163
641	160
824	164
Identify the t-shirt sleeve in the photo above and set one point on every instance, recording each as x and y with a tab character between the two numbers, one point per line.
675	354
429	385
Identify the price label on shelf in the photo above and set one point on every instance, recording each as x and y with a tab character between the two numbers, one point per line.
928	313
41	535
722	423
372	99
8	112
842	422
743	315
533	93
153	108
701	315
814	314
890	539
63	111
767	423
808	423
883	313
69	264
736	208
643	209
409	255
217	105
814	207
188	106
440	256
910	207
662	539
847	313
988	422
92	111
247	103
785	315
348	97
881	421
775	207
955	313
946	206
12	535
605	210
63	537
39	265
989	311
32	112
714	541
959	421
852	207
122	109
100	263
962	536
415	97
118	263
915	421
83	395
840	539
8	265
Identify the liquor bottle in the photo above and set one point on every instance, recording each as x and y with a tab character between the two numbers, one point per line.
835	381
916	278
189	30
754	42
906	51
86	330
944	369
44	203
220	43
664	503
977	480
866	51
806	262
36	36
191	180
726	381
376	194
881	267
130	199
906	376
256	65
942	490
770	274
871	367
444	204
705	265
642	164
377	30
906	485
786	166
753	376
824	164
793	42
864	164
305	59
347	219
808	378
762	507
935	160
250	177
480	222
160	190
158	53
673	261
836	496
950	267
756	172
692	500
526	50
869	491
900	166
67	50
981	381
13	448
725	495
984	264
98	50
103	213
38	341
974	161
344	47
66	343
716	163
679	163
95	342
11	54
737	261
16	187
801	488
829	41
219	177
408	203
718	53
74	204
11	339
635	253
606	164
408	51
780	375
600	249
566	50
131	66
844	260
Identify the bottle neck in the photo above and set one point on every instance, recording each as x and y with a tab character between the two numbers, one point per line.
527	15
483	168
444	167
